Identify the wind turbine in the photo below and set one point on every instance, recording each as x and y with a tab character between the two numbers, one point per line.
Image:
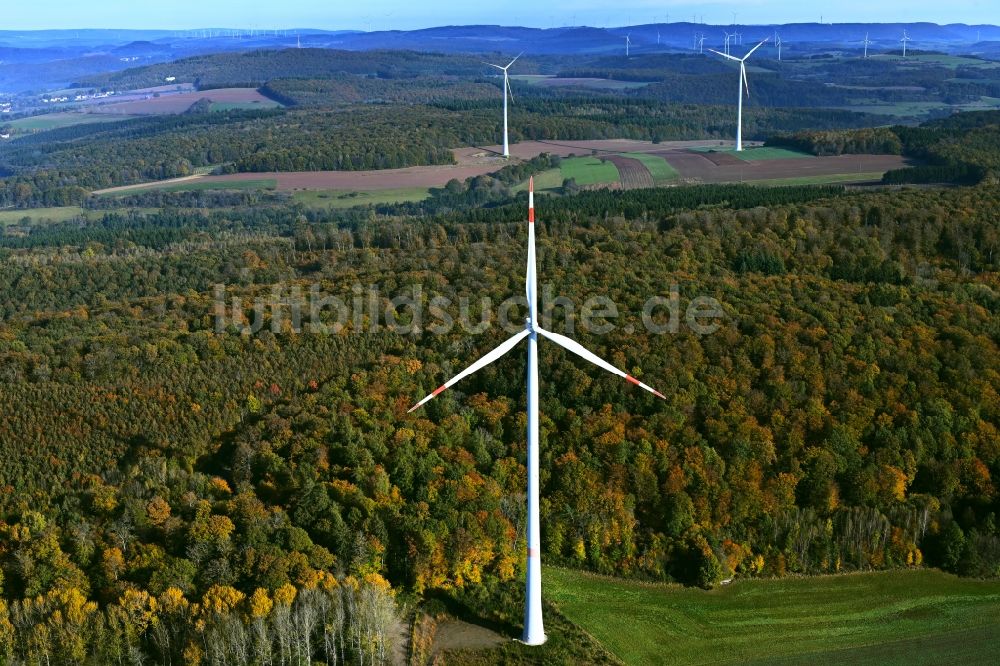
905	39
701	43
506	91
628	43
867	42
743	84
777	42
728	36
534	633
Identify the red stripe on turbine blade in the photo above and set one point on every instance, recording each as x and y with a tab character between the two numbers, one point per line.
532	552
439	389
531	216
531	183
630	378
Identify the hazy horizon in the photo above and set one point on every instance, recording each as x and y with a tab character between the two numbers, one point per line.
397	15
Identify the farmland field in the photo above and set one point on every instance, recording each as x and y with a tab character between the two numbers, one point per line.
723	167
863	177
896	617
589	171
634	174
35	215
236	98
333	199
761	153
51	121
659	168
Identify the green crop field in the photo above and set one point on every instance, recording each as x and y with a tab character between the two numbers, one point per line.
856	177
905	617
589	170
243	106
346	199
194	185
658	167
547	180
36	215
50	121
760	154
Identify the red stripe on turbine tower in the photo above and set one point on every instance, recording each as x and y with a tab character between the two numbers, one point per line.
531	200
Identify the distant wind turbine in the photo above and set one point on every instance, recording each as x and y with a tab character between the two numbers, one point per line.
506	91
534	633
743	84
867	42
628	43
777	42
728	37
701	43
905	39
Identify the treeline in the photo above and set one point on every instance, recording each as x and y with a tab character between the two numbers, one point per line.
581	117
487	201
960	149
161	198
347	89
867	141
255	68
356	138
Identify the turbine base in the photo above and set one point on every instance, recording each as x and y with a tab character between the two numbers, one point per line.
534	643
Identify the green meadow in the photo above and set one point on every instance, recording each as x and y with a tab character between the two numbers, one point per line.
893	617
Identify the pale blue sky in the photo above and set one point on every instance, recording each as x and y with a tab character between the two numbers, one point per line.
399	14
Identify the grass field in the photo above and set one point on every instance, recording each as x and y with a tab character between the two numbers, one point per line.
50	121
197	185
658	167
862	177
243	106
588	171
905	617
15	216
760	153
347	199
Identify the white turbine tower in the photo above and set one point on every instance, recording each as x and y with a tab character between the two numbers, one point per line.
534	633
867	43
905	39
777	42
743	84
506	91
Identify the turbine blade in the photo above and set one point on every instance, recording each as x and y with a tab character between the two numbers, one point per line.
580	350
724	55
530	281
743	73
514	60
754	49
510	91
492	65
478	365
